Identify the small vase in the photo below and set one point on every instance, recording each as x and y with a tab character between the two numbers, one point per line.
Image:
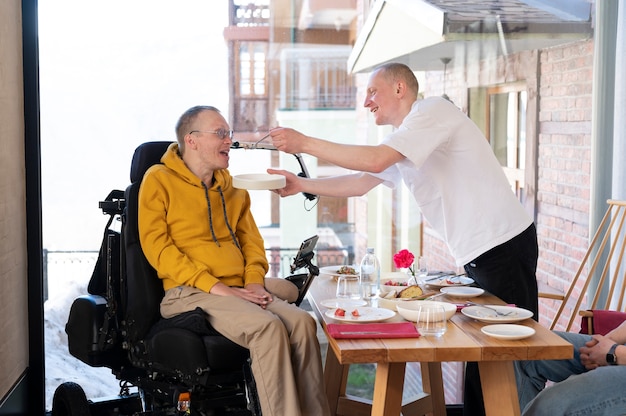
412	279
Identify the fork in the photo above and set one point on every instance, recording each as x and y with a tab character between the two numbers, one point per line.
499	313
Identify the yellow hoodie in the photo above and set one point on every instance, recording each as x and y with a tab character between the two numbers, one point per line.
195	235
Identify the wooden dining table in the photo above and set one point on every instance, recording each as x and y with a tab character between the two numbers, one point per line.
462	342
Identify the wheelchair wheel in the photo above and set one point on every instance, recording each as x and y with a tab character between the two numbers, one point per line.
70	400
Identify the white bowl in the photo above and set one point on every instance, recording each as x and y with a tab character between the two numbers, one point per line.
408	310
259	181
396	277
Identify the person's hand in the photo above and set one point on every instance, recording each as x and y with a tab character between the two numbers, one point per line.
288	140
260	296
293	182
253	292
593	354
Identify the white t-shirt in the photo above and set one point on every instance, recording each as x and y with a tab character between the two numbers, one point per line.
455	178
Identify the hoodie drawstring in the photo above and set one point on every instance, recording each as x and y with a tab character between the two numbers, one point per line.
208	200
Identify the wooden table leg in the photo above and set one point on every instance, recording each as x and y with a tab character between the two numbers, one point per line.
499	388
432	383
335	379
387	400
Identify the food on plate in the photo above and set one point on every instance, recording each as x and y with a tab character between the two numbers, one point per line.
346	270
395	283
340	312
411	292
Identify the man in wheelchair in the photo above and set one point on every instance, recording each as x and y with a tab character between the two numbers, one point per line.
198	232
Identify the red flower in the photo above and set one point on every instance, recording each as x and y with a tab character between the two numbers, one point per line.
404	259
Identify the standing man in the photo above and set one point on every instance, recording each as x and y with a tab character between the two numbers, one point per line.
446	162
198	232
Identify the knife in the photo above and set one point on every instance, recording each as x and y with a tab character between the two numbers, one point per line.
362	333
448	276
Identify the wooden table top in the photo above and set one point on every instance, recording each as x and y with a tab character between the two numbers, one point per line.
463	340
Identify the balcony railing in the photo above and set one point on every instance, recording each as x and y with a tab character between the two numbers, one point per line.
316	79
246	14
62	266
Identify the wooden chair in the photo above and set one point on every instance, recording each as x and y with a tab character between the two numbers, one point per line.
603	263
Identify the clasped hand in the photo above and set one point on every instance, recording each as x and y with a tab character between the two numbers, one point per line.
593	354
253	292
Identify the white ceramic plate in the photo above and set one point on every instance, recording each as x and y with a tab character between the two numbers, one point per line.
457	281
462	292
508	331
480	313
259	181
366	314
342	303
332	270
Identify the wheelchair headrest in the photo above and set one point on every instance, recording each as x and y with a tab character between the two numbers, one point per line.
146	155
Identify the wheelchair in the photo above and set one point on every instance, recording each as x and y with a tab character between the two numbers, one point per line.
179	366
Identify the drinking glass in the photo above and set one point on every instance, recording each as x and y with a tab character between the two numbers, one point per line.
431	320
422	269
348	287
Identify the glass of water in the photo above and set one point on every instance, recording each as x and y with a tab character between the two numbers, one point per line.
431	320
422	269
348	286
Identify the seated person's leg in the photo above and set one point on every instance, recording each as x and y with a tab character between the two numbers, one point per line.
598	392
306	358
259	330
532	375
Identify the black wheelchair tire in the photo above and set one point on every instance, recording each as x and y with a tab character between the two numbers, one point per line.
70	400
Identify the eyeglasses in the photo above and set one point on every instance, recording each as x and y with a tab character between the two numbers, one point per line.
221	133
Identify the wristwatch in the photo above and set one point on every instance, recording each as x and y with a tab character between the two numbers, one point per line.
611	357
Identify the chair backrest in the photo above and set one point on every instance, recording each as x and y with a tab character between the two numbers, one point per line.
602	268
144	290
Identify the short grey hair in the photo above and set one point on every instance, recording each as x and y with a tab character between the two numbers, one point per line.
395	71
183	126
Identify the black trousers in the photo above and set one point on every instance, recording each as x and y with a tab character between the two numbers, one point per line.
509	272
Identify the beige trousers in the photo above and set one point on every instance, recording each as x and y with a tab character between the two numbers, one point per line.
282	339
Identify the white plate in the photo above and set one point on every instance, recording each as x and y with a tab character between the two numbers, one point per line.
366	314
508	331
259	181
342	303
462	292
332	270
442	282
480	313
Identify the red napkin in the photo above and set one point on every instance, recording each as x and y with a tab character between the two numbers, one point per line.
377	330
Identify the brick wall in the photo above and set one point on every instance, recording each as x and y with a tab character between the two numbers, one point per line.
563	164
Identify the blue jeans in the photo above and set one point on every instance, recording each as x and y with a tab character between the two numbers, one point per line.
577	391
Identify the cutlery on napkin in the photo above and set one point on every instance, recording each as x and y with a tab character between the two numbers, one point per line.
375	330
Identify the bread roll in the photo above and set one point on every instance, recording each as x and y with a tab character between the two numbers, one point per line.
411	292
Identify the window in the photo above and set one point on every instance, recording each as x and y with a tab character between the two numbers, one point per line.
507	131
